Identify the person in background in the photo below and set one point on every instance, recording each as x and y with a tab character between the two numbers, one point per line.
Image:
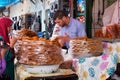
70	28
35	27
8	54
38	19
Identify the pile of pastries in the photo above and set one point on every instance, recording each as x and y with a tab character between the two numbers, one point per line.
86	46
110	31
26	33
32	50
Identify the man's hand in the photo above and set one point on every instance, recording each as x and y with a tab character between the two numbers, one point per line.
66	37
63	39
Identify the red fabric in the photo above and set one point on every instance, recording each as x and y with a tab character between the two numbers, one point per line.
4	24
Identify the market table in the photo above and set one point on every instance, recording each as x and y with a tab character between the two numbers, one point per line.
60	77
61	74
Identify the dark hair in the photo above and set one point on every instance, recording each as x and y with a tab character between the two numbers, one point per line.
59	14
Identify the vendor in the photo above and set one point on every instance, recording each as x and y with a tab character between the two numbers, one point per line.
35	27
70	28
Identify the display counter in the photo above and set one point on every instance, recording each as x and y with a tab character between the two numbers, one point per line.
61	74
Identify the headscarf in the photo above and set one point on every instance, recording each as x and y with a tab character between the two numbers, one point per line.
5	22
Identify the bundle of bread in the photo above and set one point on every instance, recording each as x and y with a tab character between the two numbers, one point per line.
82	47
110	31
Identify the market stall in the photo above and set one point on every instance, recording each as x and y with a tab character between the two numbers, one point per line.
39	58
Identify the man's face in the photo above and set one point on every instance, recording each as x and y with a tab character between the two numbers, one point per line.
60	22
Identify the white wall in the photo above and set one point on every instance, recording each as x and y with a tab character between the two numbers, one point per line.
28	7
19	9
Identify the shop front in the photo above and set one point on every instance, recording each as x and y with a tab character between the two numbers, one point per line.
40	57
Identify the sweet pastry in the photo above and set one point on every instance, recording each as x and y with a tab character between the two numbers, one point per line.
110	32
38	55
84	46
38	52
26	33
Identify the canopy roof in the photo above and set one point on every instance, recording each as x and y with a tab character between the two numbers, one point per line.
4	3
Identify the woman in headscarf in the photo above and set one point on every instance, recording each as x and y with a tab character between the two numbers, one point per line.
5	29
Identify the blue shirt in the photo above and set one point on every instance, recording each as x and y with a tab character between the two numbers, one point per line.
74	29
